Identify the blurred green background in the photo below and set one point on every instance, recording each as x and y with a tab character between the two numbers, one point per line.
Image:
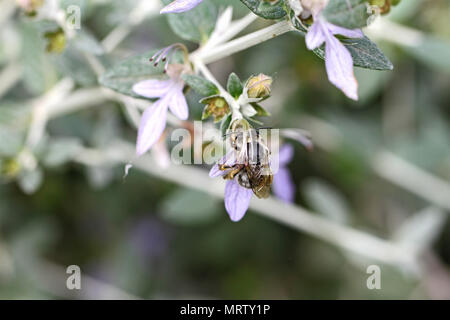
147	238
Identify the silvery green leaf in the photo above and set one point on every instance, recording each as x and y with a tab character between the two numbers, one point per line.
39	74
365	54
200	85
122	76
14	119
86	42
234	85
195	25
260	111
265	9
350	14
71	63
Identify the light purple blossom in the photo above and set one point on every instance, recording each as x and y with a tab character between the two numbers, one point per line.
283	186
179	6
237	198
338	60
170	96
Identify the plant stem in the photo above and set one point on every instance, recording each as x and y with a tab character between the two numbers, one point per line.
234	29
243	43
291	215
235	107
41	109
411	178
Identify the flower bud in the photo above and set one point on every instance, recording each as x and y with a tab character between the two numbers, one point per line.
216	106
259	86
9	168
56	41
240	125
383	5
30	6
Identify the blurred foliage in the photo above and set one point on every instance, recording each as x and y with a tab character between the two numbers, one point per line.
154	239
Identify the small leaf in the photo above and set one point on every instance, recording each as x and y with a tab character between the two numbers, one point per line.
200	85
86	42
234	86
350	14
365	53
124	75
265	9
195	25
216	106
260	111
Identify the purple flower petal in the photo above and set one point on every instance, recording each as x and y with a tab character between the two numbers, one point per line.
286	154
315	36
216	172
339	64
178	105
180	6
283	186
349	33
153	88
152	125
237	200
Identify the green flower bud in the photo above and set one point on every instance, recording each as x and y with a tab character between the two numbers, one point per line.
30	7
56	41
259	86
216	106
9	168
384	5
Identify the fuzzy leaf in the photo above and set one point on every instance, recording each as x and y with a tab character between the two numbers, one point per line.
200	85
365	53
124	75
260	110
195	25
266	10
234	85
350	14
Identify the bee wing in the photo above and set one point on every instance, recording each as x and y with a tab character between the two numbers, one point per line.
262	189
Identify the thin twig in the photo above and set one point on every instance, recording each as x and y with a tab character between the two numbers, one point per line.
402	173
243	43
293	216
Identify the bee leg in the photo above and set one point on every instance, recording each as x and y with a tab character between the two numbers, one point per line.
234	171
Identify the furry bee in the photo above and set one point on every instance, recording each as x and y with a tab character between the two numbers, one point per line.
252	167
